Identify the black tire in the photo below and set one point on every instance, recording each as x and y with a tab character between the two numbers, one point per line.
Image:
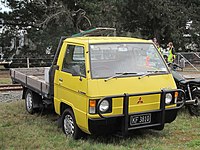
69	125
194	109
32	101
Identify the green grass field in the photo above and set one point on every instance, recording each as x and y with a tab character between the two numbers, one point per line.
20	130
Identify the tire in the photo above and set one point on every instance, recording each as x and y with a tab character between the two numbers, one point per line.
32	101
194	109
69	125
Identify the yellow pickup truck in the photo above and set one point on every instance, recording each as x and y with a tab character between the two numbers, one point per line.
101	85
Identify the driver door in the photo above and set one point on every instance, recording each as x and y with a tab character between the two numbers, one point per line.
71	80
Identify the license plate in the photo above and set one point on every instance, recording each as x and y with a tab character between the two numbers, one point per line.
140	119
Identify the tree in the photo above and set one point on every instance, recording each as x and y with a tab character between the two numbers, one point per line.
163	19
193	28
44	20
101	13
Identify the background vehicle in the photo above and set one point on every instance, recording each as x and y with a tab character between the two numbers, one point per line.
101	85
191	88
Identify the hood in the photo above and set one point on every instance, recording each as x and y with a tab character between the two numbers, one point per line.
130	85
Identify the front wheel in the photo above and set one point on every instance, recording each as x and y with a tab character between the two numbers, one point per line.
69	125
195	108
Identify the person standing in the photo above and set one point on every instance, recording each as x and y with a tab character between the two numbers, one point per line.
155	41
171	56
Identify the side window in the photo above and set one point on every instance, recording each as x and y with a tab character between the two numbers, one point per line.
74	60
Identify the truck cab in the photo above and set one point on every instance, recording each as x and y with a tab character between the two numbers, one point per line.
112	85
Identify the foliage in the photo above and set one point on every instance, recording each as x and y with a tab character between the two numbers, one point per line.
194	29
46	20
164	20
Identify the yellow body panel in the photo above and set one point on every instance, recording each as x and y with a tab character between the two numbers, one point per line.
132	85
91	40
71	91
76	92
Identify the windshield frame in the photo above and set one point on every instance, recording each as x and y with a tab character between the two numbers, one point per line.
127	75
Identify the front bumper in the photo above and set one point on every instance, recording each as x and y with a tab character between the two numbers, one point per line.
121	123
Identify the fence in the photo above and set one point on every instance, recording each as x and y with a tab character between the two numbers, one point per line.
188	60
26	62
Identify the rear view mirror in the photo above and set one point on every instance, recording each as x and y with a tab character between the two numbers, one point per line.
56	67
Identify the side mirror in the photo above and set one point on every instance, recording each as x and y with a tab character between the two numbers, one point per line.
56	67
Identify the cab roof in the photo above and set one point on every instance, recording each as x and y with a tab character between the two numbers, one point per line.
101	39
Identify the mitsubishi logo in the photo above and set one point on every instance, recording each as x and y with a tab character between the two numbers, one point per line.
140	101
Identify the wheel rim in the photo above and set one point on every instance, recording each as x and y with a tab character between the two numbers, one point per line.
69	125
29	102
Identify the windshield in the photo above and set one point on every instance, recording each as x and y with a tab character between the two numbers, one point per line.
129	59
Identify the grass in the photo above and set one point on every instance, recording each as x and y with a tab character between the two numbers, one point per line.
20	130
5	81
4	78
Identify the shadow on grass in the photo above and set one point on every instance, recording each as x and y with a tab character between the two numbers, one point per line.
48	113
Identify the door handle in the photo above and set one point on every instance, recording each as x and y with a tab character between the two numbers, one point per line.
60	79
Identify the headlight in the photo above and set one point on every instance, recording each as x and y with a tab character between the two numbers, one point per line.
104	106
168	98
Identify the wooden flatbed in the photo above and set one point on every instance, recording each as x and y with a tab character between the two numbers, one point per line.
32	78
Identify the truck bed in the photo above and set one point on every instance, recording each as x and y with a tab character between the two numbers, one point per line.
32	78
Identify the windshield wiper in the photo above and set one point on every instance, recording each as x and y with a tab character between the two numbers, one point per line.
118	74
144	75
149	72
156	71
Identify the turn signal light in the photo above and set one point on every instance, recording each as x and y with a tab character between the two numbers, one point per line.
176	94
175	97
92	106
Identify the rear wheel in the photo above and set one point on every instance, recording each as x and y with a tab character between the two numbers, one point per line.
195	108
32	101
69	125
